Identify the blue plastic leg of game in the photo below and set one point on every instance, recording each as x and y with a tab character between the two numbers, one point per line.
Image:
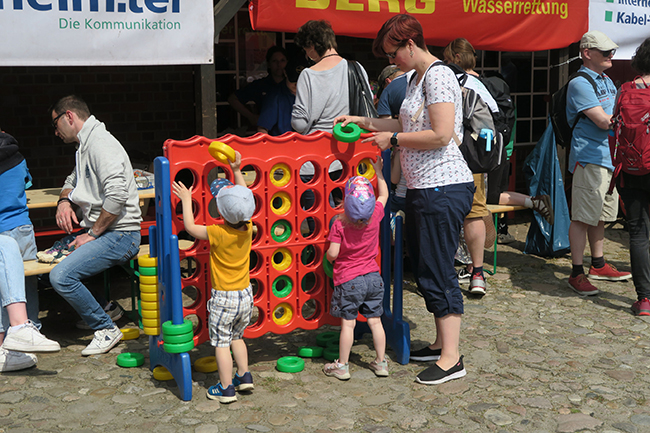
178	365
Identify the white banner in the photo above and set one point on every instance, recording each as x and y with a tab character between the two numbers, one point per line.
626	22
106	32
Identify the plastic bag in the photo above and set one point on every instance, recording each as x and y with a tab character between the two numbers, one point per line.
543	176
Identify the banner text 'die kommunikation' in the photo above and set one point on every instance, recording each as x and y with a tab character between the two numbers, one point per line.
500	25
106	32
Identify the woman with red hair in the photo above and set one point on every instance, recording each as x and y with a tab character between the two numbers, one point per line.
440	185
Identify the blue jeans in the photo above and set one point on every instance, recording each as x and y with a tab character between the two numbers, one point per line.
12	281
110	249
24	236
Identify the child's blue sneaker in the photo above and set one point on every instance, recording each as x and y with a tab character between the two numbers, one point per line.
223	395
243	383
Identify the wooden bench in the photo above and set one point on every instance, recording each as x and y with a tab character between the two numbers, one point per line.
496	210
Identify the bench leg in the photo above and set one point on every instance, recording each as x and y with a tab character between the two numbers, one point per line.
496	238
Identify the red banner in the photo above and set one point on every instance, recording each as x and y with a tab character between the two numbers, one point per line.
498	25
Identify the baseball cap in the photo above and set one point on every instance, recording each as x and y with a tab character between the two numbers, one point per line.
235	203
359	203
598	40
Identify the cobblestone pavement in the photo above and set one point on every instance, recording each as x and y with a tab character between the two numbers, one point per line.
539	359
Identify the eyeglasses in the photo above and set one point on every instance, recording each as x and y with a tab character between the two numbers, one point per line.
394	53
55	121
608	53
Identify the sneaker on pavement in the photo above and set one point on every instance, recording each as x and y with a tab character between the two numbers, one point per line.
581	285
505	238
425	354
115	312
14	361
29	339
463	275
339	371
642	307
435	375
223	395
243	383
477	286
608	272
380	368
104	340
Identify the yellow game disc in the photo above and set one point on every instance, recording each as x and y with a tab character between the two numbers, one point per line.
130	333
149	305
207	364
150	314
149	279
150	331
221	152
147	261
149	297
151	323
161	373
149	288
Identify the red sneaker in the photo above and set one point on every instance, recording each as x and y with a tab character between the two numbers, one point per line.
642	307
582	285
608	272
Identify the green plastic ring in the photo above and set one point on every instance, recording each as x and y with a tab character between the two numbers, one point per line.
287	231
328	267
333	343
130	359
324	338
331	353
310	352
287	288
148	271
169	329
349	134
290	364
178	348
178	339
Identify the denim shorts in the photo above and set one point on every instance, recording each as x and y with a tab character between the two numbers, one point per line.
363	294
230	313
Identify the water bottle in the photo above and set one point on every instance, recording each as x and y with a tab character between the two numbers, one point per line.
487	134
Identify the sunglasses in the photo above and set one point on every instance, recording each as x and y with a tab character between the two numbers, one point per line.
394	53
608	53
56	120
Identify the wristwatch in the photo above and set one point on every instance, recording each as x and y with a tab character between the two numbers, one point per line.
393	140
92	233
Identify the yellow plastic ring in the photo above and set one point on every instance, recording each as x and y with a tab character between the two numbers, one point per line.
151	323
370	169
221	152
286	259
284	207
149	297
150	314
149	279
150	331
130	333
207	364
286	174
161	373
149	305
149	288
286	317
147	261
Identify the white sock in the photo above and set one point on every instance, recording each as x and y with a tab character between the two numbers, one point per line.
528	203
15	328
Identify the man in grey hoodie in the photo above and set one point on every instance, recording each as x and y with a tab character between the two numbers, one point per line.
103	191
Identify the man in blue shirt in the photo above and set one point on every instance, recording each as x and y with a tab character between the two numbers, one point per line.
591	163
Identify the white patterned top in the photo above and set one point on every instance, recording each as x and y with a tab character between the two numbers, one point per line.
433	167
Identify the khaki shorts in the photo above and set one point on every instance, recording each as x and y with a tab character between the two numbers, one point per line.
479	205
590	202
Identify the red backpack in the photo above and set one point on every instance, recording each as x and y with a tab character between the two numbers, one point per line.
630	141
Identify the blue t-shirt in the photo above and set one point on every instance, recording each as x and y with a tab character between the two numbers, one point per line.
589	144
13	201
274	101
391	98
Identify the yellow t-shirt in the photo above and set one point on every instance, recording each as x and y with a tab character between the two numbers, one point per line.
229	257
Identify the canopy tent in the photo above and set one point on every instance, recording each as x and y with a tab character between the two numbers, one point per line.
499	25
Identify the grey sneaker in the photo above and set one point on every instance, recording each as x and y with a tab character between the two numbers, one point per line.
115	312
380	368
505	238
14	361
463	275
104	340
339	371
29	339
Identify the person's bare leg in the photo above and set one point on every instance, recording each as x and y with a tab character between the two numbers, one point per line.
577	241
378	337
240	353
596	236
448	330
224	363
475	239
346	340
513	198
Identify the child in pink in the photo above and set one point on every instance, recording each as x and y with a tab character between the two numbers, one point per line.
358	286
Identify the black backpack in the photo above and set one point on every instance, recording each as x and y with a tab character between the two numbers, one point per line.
360	95
476	116
563	131
504	120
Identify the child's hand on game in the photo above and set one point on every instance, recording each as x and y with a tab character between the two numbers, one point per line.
181	191
235	165
379	167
